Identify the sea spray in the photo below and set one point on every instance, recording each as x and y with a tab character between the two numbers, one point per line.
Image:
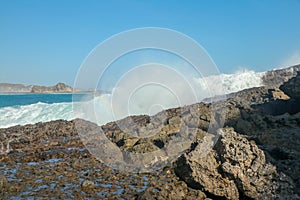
42	111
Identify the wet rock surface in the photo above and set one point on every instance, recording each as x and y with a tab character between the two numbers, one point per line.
257	158
49	160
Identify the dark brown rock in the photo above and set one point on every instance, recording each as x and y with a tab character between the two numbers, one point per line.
236	168
292	87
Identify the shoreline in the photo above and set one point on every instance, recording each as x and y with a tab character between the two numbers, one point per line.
57	155
251	158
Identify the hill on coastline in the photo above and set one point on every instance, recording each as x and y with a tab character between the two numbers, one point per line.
20	88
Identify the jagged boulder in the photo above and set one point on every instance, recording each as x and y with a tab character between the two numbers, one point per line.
235	169
292	87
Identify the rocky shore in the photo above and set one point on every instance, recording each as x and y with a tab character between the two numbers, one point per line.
256	155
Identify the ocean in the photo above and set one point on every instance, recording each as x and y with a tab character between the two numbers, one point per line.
21	109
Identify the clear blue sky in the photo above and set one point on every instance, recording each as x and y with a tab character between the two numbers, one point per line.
43	42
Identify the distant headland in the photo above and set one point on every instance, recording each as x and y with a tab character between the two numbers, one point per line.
36	89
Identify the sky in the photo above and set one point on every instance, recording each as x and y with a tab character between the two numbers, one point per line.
45	42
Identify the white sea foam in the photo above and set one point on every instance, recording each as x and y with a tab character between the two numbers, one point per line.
240	80
29	114
100	110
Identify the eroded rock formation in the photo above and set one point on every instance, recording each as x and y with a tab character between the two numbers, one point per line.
236	168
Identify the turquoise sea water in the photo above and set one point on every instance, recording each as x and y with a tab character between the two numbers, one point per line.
27	99
20	109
